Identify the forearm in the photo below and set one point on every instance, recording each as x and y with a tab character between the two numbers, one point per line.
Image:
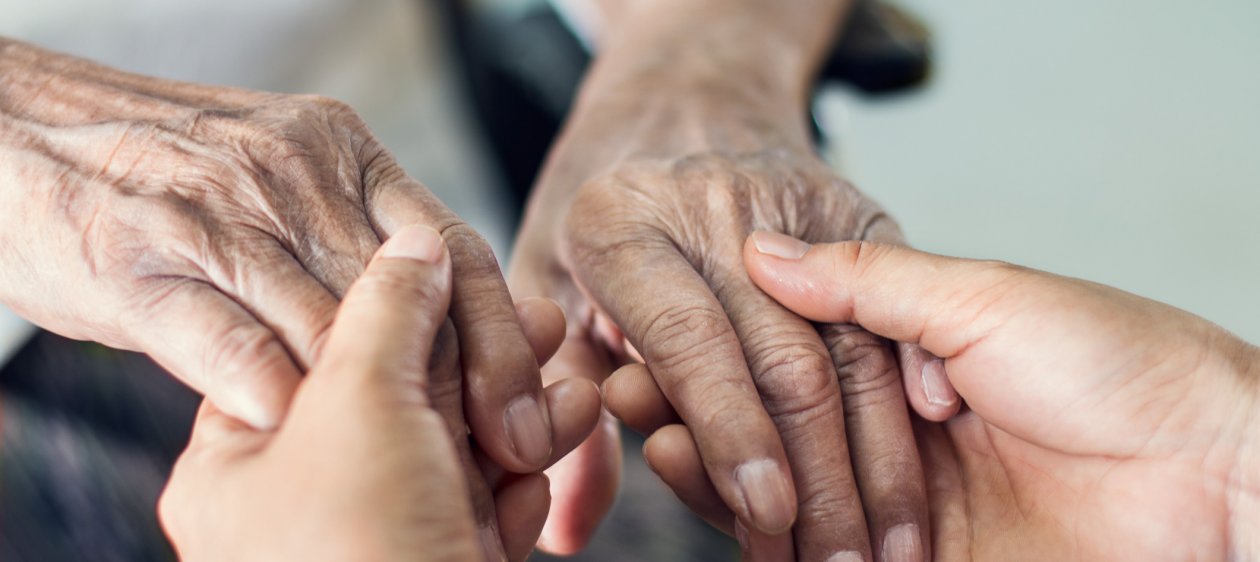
679	76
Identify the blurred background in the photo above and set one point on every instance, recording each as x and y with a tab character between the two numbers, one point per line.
1114	141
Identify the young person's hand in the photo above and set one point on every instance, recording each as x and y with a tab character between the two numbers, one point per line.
374	460
1101	426
216	229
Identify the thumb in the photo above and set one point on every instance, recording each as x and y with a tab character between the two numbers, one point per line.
893	291
1021	346
385	330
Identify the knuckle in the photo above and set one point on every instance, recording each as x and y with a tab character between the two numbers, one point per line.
472	258
856	257
787	368
607	216
792	370
240	348
828	500
794	379
313	108
864	363
324	104
469	247
681	335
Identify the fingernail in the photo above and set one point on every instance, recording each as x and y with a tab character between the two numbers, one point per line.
768	495
846	556
936	384
415	242
901	544
528	431
779	245
491	546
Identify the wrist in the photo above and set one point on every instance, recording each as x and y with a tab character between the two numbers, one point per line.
686	76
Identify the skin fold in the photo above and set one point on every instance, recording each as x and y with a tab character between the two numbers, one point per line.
1100	425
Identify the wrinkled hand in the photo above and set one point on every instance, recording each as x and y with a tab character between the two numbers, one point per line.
651	248
374	461
1103	426
216	229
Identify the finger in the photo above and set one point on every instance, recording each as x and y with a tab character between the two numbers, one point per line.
388	323
213	427
797	381
392	337
755	546
632	396
445	391
881	443
585	482
285	297
584	487
215	436
951	524
575	409
896	292
542	322
672	454
219	349
927	388
503	393
522	508
695	355
970	313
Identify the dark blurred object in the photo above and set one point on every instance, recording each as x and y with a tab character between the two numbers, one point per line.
882	50
89	435
523	72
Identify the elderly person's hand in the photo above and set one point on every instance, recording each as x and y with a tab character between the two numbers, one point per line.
374	460
689	134
1102	426
216	229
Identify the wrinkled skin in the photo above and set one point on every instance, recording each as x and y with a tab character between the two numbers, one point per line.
651	248
216	229
1103	426
374	461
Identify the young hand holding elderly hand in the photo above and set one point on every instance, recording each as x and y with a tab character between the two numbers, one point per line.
374	460
216	229
1101	426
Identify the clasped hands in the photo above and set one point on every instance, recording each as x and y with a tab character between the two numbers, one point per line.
222	231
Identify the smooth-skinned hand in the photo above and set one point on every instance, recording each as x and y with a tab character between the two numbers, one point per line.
216	229
374	460
1101	425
